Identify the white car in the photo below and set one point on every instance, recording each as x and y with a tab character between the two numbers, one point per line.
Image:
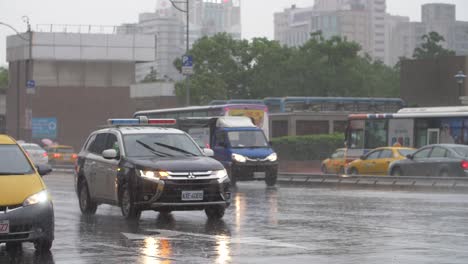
37	154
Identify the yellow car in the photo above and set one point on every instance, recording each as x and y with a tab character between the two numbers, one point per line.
61	155
336	163
26	210
376	162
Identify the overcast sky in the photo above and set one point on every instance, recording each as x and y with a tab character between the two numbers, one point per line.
257	15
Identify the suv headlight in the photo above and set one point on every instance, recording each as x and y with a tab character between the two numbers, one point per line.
153	175
220	174
40	197
272	157
238	158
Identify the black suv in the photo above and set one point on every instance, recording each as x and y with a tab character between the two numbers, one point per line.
141	167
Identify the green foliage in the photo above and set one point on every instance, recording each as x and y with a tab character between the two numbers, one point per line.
431	48
152	76
311	147
3	78
225	68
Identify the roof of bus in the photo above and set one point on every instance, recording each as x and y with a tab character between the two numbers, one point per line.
207	107
418	112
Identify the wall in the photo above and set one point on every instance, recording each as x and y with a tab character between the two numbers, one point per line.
431	82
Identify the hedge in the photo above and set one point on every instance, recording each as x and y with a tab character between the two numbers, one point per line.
311	147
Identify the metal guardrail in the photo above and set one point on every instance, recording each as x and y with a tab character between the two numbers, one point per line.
387	181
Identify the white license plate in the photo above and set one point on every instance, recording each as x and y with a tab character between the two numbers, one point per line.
192	195
4	226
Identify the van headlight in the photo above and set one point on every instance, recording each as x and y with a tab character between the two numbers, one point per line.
153	175
238	158
273	157
40	197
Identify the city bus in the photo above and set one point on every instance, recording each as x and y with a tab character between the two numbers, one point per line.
257	112
409	127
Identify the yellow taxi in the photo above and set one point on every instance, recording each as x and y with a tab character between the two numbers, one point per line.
61	155
376	162
26	210
336	163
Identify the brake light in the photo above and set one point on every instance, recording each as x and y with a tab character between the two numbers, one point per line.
56	155
74	156
464	164
44	154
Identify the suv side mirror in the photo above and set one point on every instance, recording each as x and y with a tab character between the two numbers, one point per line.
43	169
409	156
208	152
110	154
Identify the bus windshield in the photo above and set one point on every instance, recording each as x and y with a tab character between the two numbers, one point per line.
247	139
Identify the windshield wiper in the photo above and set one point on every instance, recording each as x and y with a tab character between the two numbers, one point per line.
176	149
12	173
155	152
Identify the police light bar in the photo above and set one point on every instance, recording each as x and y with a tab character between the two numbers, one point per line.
142	120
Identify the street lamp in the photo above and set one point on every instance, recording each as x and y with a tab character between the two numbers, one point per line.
460	77
187	47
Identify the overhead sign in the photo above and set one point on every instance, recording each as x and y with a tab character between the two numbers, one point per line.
44	128
187	65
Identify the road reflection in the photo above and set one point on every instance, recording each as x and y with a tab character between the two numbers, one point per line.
157	251
18	255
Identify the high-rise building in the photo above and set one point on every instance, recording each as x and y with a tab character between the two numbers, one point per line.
377	12
293	26
440	18
168	25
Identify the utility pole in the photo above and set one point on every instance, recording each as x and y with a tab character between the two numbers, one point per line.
20	85
187	47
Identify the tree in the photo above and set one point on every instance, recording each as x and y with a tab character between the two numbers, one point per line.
3	78
431	47
152	76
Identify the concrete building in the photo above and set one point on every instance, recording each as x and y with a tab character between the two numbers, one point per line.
391	24
362	21
434	17
293	26
431	82
64	85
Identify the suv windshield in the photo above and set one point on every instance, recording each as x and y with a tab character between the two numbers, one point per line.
13	161
161	145
247	139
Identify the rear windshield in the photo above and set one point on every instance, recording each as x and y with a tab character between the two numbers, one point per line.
65	150
13	161
462	151
31	147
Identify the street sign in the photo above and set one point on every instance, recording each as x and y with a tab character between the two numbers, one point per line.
44	128
187	65
30	87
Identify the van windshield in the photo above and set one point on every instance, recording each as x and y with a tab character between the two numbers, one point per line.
13	161
247	139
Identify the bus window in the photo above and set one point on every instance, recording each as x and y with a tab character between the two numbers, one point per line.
376	133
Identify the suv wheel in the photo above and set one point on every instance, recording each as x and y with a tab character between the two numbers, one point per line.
87	206
270	178
215	212
127	205
396	172
43	245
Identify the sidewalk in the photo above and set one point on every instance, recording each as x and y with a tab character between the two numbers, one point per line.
312	166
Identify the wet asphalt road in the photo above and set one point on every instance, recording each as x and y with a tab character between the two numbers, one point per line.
277	225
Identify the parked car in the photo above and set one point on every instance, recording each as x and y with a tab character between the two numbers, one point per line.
26	210
434	160
376	162
37	154
61	155
336	163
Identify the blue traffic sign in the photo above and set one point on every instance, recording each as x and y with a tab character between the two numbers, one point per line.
187	61
44	128
31	84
